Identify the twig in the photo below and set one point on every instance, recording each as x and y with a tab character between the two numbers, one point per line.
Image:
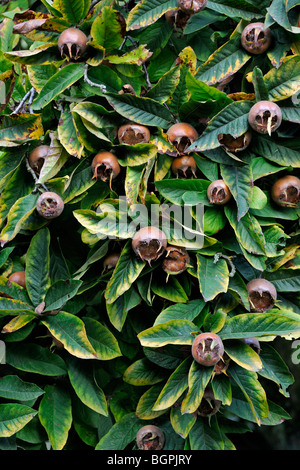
220	255
29	94
86	79
36	180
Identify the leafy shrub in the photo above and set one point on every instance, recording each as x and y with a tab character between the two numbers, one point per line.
92	350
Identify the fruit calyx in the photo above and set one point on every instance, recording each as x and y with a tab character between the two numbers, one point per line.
149	243
207	349
285	191
255	38
218	192
184	167
176	260
150	437
49	205
105	166
72	43
131	134
265	117
262	295
37	158
235	144
181	135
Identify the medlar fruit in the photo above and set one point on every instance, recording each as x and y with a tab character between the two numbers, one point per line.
150	437
131	134
218	192
209	406
37	158
149	243
49	205
184	167
262	295
286	191
177	19
18	277
192	6
111	261
72	43
255	38
235	144
176	261
105	166
181	135
207	349
265	117
253	343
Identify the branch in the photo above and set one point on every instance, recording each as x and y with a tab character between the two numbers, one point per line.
86	79
220	255
30	95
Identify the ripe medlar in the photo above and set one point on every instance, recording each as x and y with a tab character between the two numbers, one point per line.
218	192
184	167
255	38
181	135
72	43
262	295
265	117
150	437
235	144
49	205
149	243
192	6
253	343
286	191
177	19
37	158
131	134
18	277
207	349
105	166
111	261
209	406
176	261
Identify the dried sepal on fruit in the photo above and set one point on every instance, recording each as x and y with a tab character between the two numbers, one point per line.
49	205
132	134
184	167
209	406
38	157
235	144
181	135
18	277
255	38
72	43
192	6
265	117
218	192
150	437
176	260
149	243
285	191
207	349
262	295
105	166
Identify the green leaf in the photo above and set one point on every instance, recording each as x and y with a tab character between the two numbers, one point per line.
37	267
14	388
182	424
285	280
143	372
85	386
243	355
170	289
198	379
137	56
56	158
165	86
55	414
236	8
174	189
106	30
73	10
70	330
170	332
140	110
249	325
14	417
213	277
147	12
35	359
144	409
260	88
174	387
121	433
284	152
275	369
283	82
240	182
102	340
179	311
118	310
61	80
206	435
126	272
233	120
60	292
67	135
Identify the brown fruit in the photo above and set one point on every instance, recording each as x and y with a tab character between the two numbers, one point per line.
177	19
105	166
37	158
256	39
49	205
72	43
18	277
253	343
181	135
111	261
176	261
286	191
237	144
218	192
149	243
131	134
150	437
262	295
207	349
184	167
209	406
265	117
192	6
